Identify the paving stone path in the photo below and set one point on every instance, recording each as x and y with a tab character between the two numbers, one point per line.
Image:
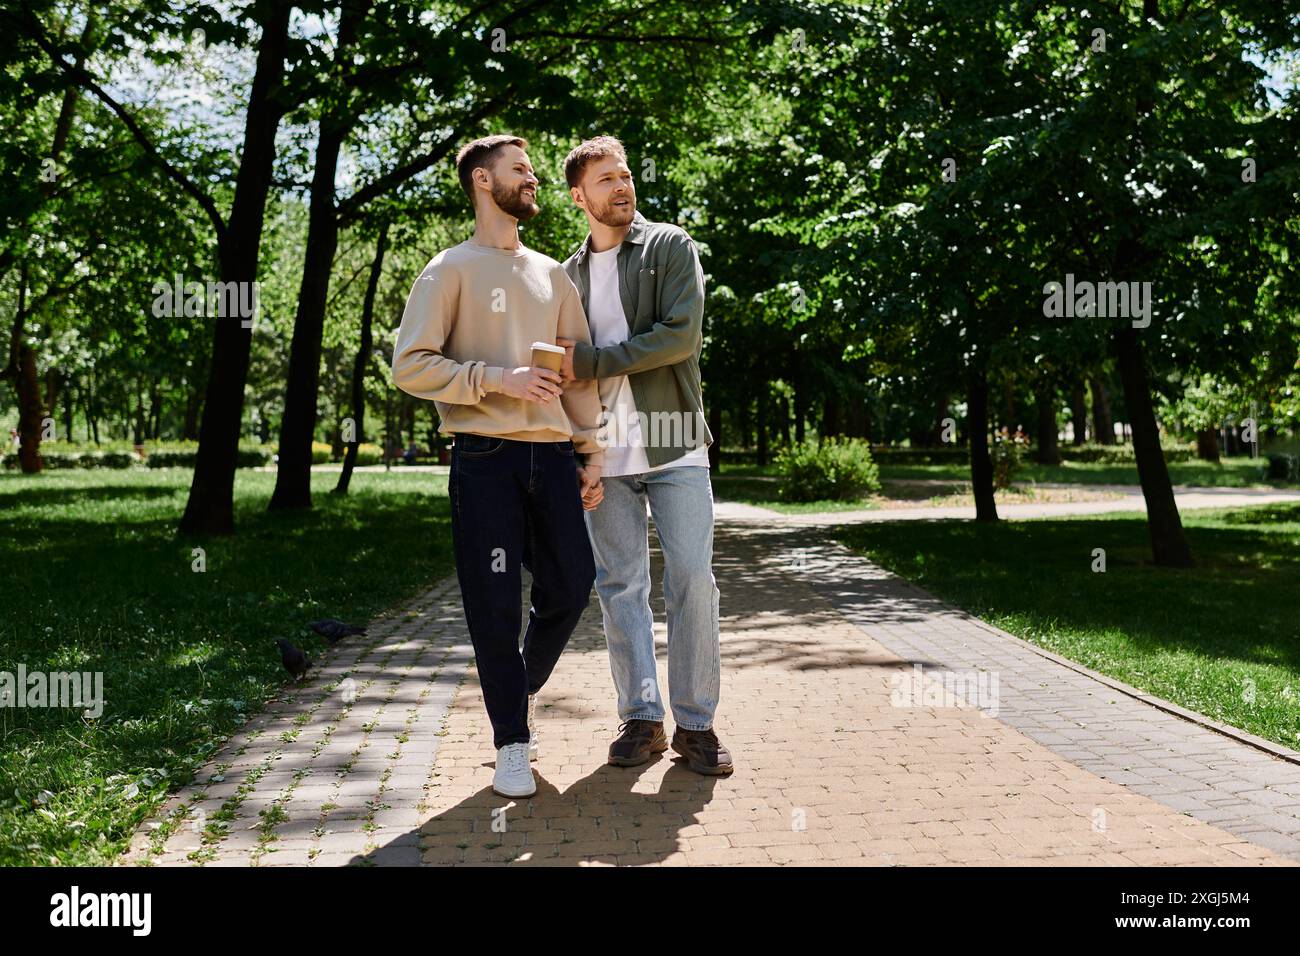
863	731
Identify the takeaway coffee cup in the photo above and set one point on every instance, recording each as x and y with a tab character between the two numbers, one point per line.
547	356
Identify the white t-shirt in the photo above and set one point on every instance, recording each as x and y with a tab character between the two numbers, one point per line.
624	446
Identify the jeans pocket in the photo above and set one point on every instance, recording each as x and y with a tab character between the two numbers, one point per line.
477	446
564	447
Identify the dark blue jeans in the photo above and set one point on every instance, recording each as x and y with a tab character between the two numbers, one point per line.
517	504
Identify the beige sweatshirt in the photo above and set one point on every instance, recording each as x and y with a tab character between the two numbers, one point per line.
473	313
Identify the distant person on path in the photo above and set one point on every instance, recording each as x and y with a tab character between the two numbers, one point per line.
642	290
525	460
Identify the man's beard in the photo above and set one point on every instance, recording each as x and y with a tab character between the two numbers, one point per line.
514	203
611	215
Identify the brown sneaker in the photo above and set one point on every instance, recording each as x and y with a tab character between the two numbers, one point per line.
639	741
703	753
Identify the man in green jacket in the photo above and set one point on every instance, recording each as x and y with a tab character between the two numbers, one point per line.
642	289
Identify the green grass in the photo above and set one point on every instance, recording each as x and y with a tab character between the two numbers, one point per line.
760	485
753	485
96	580
1222	639
1229	473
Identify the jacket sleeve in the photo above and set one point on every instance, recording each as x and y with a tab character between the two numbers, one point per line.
675	335
419	366
581	399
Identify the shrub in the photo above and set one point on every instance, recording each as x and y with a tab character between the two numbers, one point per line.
321	453
252	456
106	459
165	458
1008	452
61	459
1283	467
180	454
248	456
942	455
368	454
836	470
1121	454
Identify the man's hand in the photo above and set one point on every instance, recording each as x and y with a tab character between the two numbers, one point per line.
531	384
566	366
593	489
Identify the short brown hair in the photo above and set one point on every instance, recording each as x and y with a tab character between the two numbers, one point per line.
480	154
590	151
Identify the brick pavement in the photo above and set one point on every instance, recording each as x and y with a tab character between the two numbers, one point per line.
835	764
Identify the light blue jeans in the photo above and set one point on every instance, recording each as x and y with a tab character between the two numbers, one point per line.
681	503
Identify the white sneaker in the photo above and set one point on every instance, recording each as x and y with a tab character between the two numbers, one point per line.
513	777
532	727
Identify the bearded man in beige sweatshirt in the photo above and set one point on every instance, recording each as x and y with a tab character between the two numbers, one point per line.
525	457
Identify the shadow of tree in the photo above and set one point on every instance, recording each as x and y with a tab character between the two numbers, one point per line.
47	496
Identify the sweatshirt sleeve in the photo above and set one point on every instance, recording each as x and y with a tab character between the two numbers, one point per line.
419	366
581	399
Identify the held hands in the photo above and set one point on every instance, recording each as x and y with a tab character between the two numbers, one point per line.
541	385
593	489
566	366
532	384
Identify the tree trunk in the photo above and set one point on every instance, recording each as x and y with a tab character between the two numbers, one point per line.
1168	542
1078	412
1207	444
981	466
298	426
831	416
31	411
934	439
1048	452
361	362
763	400
193	401
68	405
800	400
855	418
20	364
155	412
210	508
1103	427
92	417
53	384
386	445
138	426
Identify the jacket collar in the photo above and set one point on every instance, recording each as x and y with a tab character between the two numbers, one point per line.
635	233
